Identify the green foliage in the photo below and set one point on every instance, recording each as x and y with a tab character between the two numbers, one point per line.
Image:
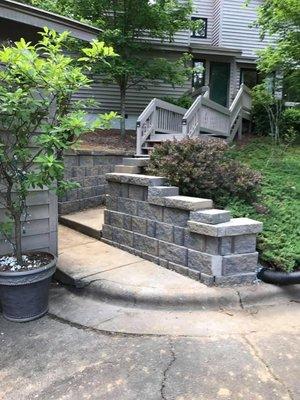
202	168
36	122
281	20
278	206
125	26
291	120
184	101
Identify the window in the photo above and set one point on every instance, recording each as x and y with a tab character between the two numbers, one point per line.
249	77
199	74
202	31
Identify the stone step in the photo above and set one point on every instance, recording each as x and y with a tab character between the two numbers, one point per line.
136	162
234	227
136	179
127	169
188	203
157	194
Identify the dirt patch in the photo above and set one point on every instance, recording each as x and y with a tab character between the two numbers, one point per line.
109	140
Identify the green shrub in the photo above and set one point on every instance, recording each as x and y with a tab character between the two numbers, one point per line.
202	168
184	101
290	119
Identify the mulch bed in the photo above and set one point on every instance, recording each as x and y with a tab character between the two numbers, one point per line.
109	140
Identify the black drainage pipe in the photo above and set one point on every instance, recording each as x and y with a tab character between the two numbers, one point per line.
279	278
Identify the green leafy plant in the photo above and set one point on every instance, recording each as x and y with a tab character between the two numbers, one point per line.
36	123
202	168
184	101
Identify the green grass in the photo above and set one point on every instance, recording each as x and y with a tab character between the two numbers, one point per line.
279	243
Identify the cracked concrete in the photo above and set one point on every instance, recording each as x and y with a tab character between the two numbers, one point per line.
167	369
71	358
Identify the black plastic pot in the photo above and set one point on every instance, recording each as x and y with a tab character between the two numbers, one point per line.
24	295
279	278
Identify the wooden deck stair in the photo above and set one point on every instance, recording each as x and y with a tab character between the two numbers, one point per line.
161	121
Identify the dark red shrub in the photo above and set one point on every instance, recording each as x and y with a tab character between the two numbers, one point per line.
203	168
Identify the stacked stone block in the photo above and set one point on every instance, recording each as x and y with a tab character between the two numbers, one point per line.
148	218
88	168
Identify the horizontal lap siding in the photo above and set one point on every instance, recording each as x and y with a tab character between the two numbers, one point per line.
217	15
204	9
40	230
236	31
109	98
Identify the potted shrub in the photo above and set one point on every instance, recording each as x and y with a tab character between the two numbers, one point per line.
36	126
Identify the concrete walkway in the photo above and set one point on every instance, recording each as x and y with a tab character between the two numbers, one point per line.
104	273
88	222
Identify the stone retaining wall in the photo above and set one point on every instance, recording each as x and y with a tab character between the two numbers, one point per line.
88	168
148	218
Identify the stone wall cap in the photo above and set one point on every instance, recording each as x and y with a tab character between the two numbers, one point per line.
213	216
187	203
234	227
136	179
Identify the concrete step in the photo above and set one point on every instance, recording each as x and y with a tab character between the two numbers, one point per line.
127	169
136	162
89	222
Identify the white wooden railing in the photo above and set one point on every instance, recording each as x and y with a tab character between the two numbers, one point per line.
159	119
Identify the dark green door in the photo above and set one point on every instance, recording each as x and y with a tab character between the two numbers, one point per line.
219	82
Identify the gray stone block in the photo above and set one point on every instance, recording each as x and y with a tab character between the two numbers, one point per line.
146	244
212	245
150	258
206	263
179	235
194	274
86	160
116	219
237	279
70	161
244	244
150	211
173	253
180	269
107	232
78	172
164	263
226	244
127	222
127	206
107	217
111	202
136	179
164	232
151	228
139	225
187	203
239	263
212	216
117	189
176	217
90	181
208	280
137	162
156	194
194	241
127	169
235	227
122	236
137	192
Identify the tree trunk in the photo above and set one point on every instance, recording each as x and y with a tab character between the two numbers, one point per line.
18	238
123	110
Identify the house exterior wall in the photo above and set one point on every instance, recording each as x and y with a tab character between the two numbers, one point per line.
235	27
40	230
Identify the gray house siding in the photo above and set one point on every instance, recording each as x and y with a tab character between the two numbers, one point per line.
235	27
40	230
